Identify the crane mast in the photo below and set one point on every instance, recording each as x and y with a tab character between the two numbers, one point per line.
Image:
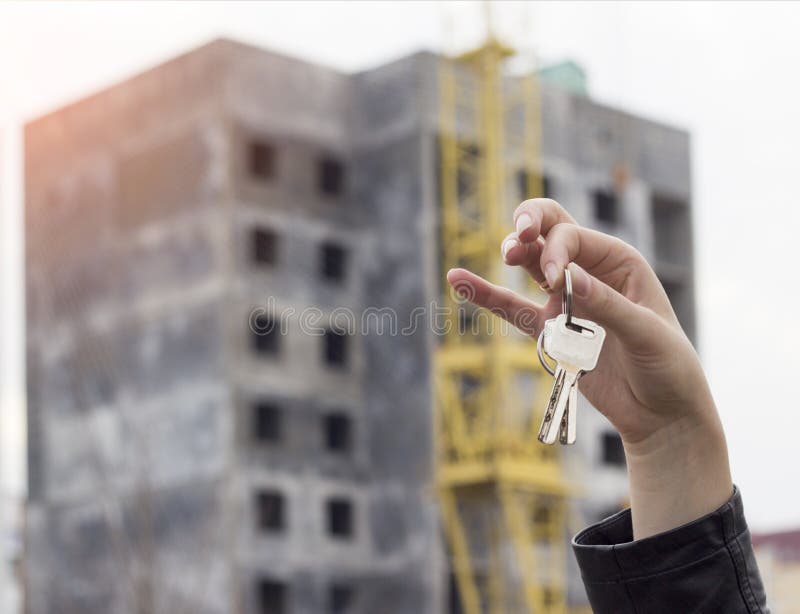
503	496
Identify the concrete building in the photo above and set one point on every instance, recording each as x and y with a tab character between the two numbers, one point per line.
203	435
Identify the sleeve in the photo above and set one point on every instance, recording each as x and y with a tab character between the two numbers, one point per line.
705	566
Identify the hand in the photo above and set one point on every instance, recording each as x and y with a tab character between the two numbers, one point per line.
648	381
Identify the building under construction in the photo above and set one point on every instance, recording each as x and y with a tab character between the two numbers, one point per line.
205	435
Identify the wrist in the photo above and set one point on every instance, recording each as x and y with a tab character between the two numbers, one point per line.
678	473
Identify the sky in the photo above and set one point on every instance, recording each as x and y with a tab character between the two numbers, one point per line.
727	72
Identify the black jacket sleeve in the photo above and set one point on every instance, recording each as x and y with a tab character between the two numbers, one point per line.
705	566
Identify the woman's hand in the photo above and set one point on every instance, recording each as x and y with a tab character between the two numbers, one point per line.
648	381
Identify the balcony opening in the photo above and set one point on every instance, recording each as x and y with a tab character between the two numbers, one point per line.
333	260
340	518
330	176
341	599
272	597
672	225
270	509
612	449
266	422
335	348
264	246
338	432
265	336
606	206
261	160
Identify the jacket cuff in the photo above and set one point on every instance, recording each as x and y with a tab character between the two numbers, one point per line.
606	551
707	565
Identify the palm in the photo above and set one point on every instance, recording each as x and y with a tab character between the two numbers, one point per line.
634	386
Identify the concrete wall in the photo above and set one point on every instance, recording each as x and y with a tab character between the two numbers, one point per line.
128	398
142	376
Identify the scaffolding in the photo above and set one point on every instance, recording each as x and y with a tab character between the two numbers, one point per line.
503	495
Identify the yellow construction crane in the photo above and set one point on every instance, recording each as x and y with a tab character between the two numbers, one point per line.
502	493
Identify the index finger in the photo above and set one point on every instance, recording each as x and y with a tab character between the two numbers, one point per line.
523	313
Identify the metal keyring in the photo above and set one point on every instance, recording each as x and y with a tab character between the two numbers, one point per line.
566	296
566	308
540	352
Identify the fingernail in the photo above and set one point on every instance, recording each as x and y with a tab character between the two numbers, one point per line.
581	282
508	245
523	221
551	273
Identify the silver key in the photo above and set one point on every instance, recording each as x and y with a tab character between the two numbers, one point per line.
556	407
576	349
567	425
568	431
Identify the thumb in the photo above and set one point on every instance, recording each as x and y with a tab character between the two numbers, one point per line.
602	304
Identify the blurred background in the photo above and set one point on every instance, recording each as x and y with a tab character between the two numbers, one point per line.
178	180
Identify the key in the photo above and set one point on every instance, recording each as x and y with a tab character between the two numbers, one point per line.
568	428
567	425
556	407
568	431
576	349
549	422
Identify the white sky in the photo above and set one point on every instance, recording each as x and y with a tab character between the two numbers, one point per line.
726	71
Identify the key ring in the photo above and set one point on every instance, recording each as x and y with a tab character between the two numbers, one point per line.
540	352
566	296
566	308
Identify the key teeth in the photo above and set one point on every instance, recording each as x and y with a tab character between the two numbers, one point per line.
548	433
547	439
562	428
544	431
566	441
551	440
567	436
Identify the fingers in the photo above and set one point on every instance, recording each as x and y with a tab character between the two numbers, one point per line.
517	310
526	255
593	299
633	324
606	257
535	217
545	230
533	220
